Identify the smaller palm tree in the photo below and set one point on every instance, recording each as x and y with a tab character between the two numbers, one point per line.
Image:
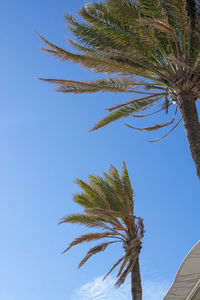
109	206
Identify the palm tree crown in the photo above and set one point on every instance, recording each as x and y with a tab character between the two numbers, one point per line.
152	48
108	205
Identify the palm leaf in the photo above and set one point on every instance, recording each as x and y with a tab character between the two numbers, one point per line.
96	63
119	190
93	195
106	189
123	276
88	238
125	112
83	200
112	84
84	219
155	127
93	251
165	135
108	215
114	266
127	185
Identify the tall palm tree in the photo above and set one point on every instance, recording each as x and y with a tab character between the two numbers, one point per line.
152	48
109	206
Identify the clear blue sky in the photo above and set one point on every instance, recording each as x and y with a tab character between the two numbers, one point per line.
45	145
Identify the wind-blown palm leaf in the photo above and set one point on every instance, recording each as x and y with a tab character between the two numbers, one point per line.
104	188
164	136
94	62
157	97
88	238
153	128
93	251
83	219
120	190
126	111
153	113
123	276
114	266
93	195
127	186
111	84
109	215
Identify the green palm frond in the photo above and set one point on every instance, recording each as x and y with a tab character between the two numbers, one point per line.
93	195
106	189
112	84
120	190
85	219
127	186
95	62
83	200
126	110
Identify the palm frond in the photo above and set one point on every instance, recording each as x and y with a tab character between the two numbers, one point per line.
153	113
114	266
132	254
158	96
108	215
94	250
93	195
124	263
126	110
165	135
120	190
127	186
94	62
84	219
112	84
151	8
125	273
155	127
89	237
106	189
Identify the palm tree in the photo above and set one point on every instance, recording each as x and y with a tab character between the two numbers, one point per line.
152	48
109	206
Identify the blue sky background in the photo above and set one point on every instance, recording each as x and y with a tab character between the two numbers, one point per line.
45	145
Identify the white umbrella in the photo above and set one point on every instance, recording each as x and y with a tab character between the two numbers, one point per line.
186	285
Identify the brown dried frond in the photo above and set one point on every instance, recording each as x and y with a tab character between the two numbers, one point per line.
165	135
141	227
110	215
166	103
123	276
158	24
151	128
155	127
126	259
114	266
89	237
93	251
176	61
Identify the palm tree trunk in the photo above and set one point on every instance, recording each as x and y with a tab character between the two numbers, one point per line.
191	123
136	286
